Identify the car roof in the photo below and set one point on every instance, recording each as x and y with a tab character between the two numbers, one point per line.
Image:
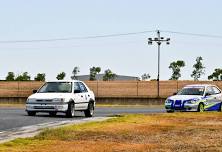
199	85
65	81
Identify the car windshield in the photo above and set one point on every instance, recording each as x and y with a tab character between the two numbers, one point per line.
191	91
56	87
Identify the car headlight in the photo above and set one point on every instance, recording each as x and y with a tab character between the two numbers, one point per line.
29	100
58	100
192	101
169	101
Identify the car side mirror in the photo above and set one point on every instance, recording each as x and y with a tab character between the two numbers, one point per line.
77	91
34	91
207	94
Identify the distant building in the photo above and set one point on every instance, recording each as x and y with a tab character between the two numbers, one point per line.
100	77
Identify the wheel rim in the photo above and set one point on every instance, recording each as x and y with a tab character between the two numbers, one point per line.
201	108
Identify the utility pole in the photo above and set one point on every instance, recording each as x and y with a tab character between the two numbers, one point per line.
159	40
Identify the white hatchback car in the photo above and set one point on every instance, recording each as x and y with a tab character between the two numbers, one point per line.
200	98
62	96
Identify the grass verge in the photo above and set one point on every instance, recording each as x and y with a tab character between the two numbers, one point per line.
12	105
156	132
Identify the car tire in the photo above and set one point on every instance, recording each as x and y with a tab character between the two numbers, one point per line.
90	110
170	111
31	113
220	108
200	107
53	113
71	110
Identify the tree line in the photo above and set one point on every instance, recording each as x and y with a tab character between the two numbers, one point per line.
108	75
175	66
198	70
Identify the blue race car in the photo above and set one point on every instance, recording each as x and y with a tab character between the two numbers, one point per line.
199	98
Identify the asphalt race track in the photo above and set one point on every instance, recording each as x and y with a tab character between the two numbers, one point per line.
11	118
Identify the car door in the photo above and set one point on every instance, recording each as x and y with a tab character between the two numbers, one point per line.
78	96
212	98
217	96
84	95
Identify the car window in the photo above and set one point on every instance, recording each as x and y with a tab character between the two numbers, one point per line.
82	87
216	90
210	91
56	87
76	87
191	91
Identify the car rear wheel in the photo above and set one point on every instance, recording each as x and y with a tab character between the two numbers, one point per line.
53	113
90	111
220	107
71	110
31	113
200	107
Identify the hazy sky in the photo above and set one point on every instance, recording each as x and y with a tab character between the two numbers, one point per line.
126	55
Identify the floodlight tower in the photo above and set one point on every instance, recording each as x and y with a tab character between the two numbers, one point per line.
159	40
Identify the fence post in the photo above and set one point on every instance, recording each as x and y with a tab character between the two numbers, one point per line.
177	85
18	92
17	89
137	90
97	89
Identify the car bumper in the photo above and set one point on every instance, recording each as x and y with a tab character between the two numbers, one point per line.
47	107
185	107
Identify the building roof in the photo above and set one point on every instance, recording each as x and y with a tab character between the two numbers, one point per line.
64	81
100	77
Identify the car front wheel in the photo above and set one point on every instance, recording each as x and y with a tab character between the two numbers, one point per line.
170	111
31	113
52	113
200	107
71	110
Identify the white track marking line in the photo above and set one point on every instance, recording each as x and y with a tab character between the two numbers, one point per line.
30	131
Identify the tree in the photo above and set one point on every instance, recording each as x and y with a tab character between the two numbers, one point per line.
109	75
216	75
75	72
23	77
10	76
198	69
61	76
93	72
176	66
145	76
40	77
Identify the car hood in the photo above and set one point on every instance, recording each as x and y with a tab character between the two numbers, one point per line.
48	95
184	97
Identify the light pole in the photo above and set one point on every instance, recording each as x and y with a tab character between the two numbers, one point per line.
159	40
